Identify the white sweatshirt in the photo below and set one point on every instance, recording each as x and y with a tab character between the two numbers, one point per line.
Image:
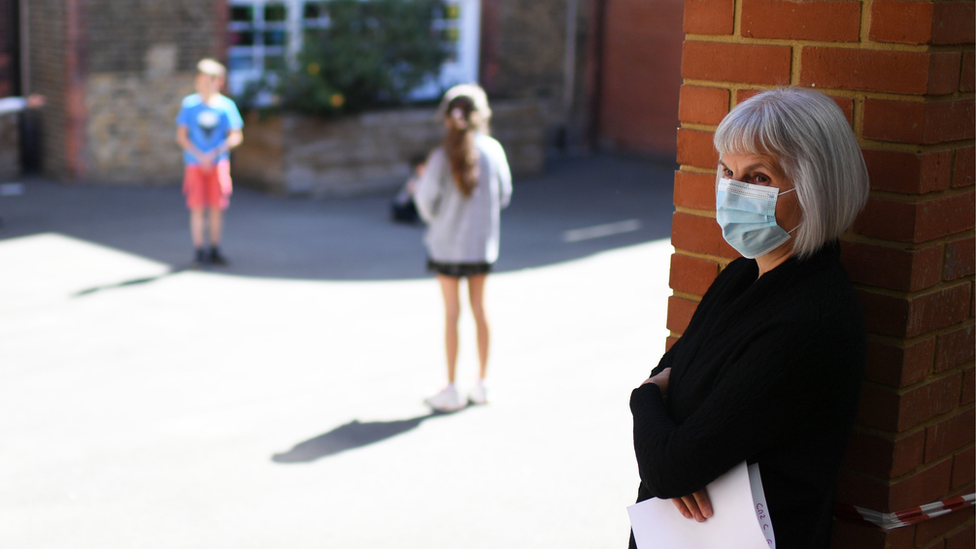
464	230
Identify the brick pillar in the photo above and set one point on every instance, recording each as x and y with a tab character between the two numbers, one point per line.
9	135
903	72
74	92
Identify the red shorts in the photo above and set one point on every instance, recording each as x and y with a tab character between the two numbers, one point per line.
207	189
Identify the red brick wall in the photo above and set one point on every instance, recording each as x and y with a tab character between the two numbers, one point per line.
8	49
48	76
903	72
641	75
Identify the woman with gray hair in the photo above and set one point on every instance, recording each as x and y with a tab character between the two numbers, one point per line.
770	366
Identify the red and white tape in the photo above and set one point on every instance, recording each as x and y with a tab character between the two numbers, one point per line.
890	521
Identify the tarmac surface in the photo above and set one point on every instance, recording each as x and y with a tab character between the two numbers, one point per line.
277	403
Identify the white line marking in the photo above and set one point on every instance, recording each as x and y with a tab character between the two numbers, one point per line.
11	189
599	231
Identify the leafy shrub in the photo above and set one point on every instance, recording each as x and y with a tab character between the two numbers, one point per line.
372	54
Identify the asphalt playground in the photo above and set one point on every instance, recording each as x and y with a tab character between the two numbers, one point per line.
277	403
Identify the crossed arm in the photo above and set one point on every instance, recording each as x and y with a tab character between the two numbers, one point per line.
754	404
696	505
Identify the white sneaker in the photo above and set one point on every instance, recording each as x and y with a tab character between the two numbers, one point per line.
478	395
445	401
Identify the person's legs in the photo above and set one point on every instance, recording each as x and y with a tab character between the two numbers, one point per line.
452	310
216	225
196	227
194	189
476	294
447	400
217	198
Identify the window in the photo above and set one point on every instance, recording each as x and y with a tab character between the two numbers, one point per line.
264	35
258	38
460	27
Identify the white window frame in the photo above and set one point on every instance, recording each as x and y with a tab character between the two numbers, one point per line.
237	79
461	69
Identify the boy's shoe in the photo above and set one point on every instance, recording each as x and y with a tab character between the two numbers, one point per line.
199	258
445	401
478	395
217	259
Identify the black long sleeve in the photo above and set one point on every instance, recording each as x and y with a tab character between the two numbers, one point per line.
768	371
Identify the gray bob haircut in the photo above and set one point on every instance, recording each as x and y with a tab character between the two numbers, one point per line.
807	133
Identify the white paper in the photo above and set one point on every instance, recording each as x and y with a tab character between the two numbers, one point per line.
734	524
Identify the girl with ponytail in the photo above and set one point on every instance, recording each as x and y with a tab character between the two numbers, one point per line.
464	187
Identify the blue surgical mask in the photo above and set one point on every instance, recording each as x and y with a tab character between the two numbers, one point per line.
747	215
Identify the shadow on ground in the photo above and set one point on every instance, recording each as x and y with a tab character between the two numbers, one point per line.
354	238
127	283
350	436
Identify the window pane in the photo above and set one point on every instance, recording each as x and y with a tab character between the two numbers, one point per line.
240	38
313	10
241	62
275	38
452	52
275	12
242	13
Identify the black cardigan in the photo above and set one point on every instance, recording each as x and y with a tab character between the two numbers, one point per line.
768	371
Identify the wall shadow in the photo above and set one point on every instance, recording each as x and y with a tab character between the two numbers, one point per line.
354	238
354	434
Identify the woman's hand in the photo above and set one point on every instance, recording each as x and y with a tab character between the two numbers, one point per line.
661	379
695	506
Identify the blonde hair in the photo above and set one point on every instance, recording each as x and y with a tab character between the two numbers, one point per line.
466	111
808	134
211	67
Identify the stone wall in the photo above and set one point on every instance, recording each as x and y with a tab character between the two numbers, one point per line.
525	55
8	48
9	148
113	72
367	153
141	57
523	52
130	129
122	34
9	134
48	21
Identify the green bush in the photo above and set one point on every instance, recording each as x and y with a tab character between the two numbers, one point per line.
372	54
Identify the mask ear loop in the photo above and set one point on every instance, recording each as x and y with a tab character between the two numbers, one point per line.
790	232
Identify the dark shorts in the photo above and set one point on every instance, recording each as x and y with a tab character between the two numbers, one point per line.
458	270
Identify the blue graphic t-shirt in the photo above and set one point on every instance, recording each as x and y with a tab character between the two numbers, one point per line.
208	124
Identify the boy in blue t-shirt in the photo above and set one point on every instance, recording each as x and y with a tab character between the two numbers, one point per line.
207	128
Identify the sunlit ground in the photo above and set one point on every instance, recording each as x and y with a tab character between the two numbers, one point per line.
141	408
277	403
